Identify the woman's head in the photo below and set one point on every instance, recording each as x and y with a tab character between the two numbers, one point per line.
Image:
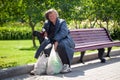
51	15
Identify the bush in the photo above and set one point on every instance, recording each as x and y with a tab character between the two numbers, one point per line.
17	31
115	33
13	33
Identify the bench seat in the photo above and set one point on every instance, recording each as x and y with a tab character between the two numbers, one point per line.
93	46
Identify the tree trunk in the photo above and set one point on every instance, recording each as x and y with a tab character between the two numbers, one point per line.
90	23
75	24
33	37
99	23
94	23
32	25
107	22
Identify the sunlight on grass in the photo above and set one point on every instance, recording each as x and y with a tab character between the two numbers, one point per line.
16	52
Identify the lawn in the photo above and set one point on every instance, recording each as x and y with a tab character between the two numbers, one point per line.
16	52
20	52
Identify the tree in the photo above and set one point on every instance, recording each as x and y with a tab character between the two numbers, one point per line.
10	11
32	11
33	14
106	10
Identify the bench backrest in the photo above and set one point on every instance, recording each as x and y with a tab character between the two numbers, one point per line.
92	35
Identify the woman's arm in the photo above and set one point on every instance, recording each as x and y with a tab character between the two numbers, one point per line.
62	33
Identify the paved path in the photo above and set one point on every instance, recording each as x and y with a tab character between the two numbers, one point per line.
91	70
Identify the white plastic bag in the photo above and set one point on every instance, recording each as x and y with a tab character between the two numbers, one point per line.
54	64
41	65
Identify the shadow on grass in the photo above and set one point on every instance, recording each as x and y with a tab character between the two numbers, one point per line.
29	48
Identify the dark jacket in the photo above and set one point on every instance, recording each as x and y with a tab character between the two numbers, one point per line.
62	35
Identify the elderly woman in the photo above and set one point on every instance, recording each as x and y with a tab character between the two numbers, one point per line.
57	32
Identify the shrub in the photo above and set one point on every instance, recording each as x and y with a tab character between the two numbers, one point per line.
17	31
115	33
13	33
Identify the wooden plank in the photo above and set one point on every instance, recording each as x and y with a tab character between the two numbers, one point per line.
96	46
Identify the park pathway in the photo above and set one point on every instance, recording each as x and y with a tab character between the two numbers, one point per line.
91	70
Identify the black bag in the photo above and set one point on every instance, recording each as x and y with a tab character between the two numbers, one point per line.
47	50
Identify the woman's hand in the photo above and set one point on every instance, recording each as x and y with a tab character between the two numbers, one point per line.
45	34
55	45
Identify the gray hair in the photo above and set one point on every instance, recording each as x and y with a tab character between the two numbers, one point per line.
50	11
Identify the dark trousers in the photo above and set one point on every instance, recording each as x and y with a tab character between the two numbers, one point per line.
62	53
63	57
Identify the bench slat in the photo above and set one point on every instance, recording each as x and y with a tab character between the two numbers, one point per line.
80	42
90	38
89	29
78	39
96	46
88	32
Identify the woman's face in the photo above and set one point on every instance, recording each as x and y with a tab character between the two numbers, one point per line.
52	17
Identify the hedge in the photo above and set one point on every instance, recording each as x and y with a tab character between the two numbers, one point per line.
8	33
115	33
22	33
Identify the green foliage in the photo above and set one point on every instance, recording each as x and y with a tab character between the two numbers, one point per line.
32	11
10	10
115	33
15	33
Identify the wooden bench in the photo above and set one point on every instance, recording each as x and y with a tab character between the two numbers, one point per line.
93	39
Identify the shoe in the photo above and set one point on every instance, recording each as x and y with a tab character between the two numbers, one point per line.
103	61
66	68
32	72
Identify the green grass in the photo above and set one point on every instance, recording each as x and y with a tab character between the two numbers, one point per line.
20	52
16	52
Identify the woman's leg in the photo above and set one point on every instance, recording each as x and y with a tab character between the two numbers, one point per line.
62	54
66	54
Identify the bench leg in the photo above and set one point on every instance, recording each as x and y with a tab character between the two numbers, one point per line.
108	52
81	57
100	55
